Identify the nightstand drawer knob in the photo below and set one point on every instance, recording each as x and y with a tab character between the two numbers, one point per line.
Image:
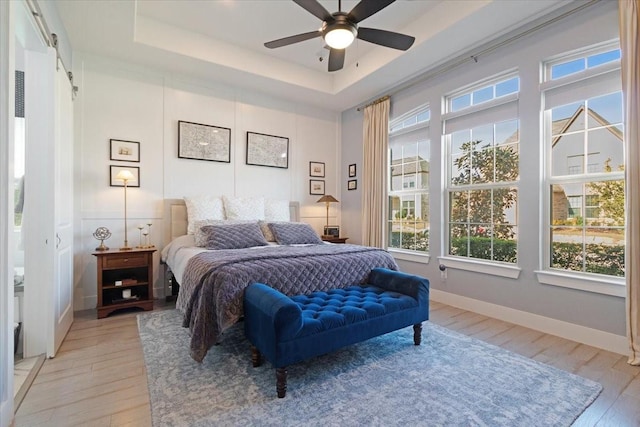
125	260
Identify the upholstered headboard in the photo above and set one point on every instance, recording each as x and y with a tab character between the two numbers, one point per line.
175	217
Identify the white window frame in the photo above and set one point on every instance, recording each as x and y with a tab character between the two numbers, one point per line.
494	111
578	54
423	128
576	87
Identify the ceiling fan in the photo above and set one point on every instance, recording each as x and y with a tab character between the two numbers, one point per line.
339	29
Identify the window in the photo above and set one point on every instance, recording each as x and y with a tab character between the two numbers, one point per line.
593	58
408	187
585	175
484	94
414	119
483	173
19	147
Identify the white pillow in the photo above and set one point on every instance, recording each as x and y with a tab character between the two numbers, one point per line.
244	208
202	207
276	210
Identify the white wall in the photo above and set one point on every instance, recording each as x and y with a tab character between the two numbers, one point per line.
525	294
123	101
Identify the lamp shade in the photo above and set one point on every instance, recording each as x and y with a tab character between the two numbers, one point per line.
327	199
125	175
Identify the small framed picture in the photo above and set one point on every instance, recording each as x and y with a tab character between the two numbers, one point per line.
352	170
332	230
316	187
115	170
316	169
352	184
124	151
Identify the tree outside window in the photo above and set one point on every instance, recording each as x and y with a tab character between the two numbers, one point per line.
483	195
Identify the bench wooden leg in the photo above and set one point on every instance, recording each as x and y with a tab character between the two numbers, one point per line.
281	381
256	357
417	334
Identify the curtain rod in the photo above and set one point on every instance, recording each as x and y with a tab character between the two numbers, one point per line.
50	38
460	60
377	101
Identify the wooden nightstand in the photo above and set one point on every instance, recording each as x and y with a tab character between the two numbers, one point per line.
135	269
332	239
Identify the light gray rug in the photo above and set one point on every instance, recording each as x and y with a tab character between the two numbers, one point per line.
449	380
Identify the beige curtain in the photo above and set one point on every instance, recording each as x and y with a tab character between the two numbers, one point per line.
374	178
629	26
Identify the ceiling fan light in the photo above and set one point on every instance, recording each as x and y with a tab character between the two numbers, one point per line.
340	37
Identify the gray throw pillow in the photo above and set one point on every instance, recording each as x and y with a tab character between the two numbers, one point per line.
233	236
201	236
294	233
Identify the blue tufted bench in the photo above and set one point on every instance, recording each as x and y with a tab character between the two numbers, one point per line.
286	330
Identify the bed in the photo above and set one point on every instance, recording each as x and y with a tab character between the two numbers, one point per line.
212	282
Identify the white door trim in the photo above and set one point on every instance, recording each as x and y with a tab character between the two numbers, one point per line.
7	98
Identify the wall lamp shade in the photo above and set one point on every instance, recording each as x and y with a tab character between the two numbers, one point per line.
327	199
125	176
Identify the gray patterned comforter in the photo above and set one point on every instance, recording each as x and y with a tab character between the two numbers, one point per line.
211	295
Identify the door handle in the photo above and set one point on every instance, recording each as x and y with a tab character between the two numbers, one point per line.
59	240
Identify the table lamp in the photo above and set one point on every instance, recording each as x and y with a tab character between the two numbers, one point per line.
125	176
327	199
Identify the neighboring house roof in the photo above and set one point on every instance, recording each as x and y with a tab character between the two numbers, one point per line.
559	127
413	164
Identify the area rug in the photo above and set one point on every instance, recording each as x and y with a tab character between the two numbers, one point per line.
449	380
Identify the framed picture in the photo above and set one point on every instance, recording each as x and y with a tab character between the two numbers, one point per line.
115	170
267	150
352	184
316	169
204	142
332	230
352	170
316	187
124	151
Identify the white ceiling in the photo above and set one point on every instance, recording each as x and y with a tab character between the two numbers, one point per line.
223	40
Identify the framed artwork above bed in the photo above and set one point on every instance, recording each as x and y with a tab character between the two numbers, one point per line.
204	142
267	150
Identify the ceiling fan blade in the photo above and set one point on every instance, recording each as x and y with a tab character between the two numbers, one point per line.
336	59
366	8
292	39
386	38
315	8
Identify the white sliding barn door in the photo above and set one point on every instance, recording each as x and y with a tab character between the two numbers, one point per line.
48	212
62	295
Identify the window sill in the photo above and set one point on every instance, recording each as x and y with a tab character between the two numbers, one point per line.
494	269
409	256
583	282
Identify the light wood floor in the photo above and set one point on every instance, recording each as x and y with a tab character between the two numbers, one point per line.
98	377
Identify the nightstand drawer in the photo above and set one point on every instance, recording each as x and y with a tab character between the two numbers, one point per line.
125	260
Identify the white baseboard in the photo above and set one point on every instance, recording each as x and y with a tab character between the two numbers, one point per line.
582	334
88	302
